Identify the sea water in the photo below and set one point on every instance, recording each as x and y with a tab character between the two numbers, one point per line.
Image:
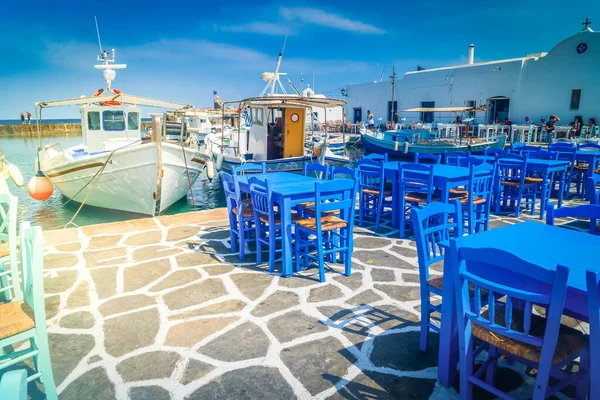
57	211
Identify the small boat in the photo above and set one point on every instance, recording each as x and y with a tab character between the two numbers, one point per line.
117	167
275	131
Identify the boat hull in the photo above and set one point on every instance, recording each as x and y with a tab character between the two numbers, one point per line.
129	180
375	145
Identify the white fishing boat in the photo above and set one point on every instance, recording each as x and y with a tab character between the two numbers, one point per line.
115	167
274	132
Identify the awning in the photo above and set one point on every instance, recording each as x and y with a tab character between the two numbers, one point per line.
291	101
122	98
445	109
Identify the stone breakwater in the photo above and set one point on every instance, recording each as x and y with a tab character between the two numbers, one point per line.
48	130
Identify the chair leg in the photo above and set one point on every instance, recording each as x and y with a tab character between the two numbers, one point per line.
490	373
424	336
379	210
349	244
242	239
272	249
466	370
45	365
320	256
361	210
258	245
5	295
297	251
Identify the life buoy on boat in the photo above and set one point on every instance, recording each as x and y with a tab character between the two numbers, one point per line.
116	91
98	93
405	147
110	103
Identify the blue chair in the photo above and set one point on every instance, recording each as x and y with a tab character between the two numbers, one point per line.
593	292
416	190
509	326
267	222
477	200
375	157
494	152
525	150
515	146
9	289
374	194
328	234
343	172
538	178
581	170
593	191
451	157
468	161
241	216
591	211
316	170
27	322
511	187
433	226
13	385
428	158
250	168
566	152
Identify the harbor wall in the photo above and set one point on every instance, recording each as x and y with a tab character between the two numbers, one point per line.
48	130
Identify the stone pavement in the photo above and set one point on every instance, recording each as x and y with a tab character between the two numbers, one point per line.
161	309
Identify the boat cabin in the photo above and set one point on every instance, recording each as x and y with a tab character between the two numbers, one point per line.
102	126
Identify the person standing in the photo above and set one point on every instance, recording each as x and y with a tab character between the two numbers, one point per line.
396	120
370	120
550	127
28	117
22	118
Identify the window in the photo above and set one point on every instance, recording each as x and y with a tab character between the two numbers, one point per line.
113	120
133	121
392	108
93	120
575	98
427	117
470	103
259	116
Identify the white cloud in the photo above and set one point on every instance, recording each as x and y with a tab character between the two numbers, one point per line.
315	16
264	28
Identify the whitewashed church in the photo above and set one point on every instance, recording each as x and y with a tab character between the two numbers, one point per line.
564	81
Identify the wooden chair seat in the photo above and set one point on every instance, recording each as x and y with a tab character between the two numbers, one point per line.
312	211
328	223
4	250
417	197
436	282
455	191
582	168
247	201
570	340
248	211
517	183
375	192
15	317
277	218
534	179
306	204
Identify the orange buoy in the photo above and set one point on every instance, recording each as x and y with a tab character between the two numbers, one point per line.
40	187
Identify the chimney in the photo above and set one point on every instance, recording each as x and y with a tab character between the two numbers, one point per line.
471	53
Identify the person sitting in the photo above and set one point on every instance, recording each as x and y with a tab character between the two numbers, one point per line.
528	121
577	125
411	125
507	122
419	125
591	126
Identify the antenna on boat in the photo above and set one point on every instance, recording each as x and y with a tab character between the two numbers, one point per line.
109	65
272	78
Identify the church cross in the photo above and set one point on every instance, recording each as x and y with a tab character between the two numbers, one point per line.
586	23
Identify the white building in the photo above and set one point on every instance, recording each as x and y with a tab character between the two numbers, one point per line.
564	81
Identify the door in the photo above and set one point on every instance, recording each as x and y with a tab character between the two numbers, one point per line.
293	145
391	109
357	115
499	109
427	117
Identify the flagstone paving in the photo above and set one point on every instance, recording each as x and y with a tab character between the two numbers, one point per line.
145	309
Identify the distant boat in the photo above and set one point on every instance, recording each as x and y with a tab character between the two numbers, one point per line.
116	167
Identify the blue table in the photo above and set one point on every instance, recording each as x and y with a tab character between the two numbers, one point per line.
545	168
288	190
537	243
445	177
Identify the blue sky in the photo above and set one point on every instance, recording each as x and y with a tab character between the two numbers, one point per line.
183	51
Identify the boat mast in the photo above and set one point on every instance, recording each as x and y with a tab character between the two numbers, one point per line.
393	90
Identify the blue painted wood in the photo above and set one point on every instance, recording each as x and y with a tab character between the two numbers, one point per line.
413	178
240	221
32	272
375	157
250	167
316	170
428	158
13	385
511	188
287	190
269	232
343	172
433	226
591	211
566	152
451	157
9	289
494	152
593	191
478	269
593	289
476	214
374	194
541	245
336	195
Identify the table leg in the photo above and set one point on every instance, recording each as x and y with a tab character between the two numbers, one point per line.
543	199
448	352
286	237
561	186
395	203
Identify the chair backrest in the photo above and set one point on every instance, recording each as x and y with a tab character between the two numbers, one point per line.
591	211
561	146
589	146
481	182
468	161
261	196
593	294
542	155
316	170
416	178
343	172
368	162
370	176
250	167
566	152
526	149
32	270
8	237
430	158
494	152
481	270
433	226
511	167
375	157
451	157
516	146
339	194
592	190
